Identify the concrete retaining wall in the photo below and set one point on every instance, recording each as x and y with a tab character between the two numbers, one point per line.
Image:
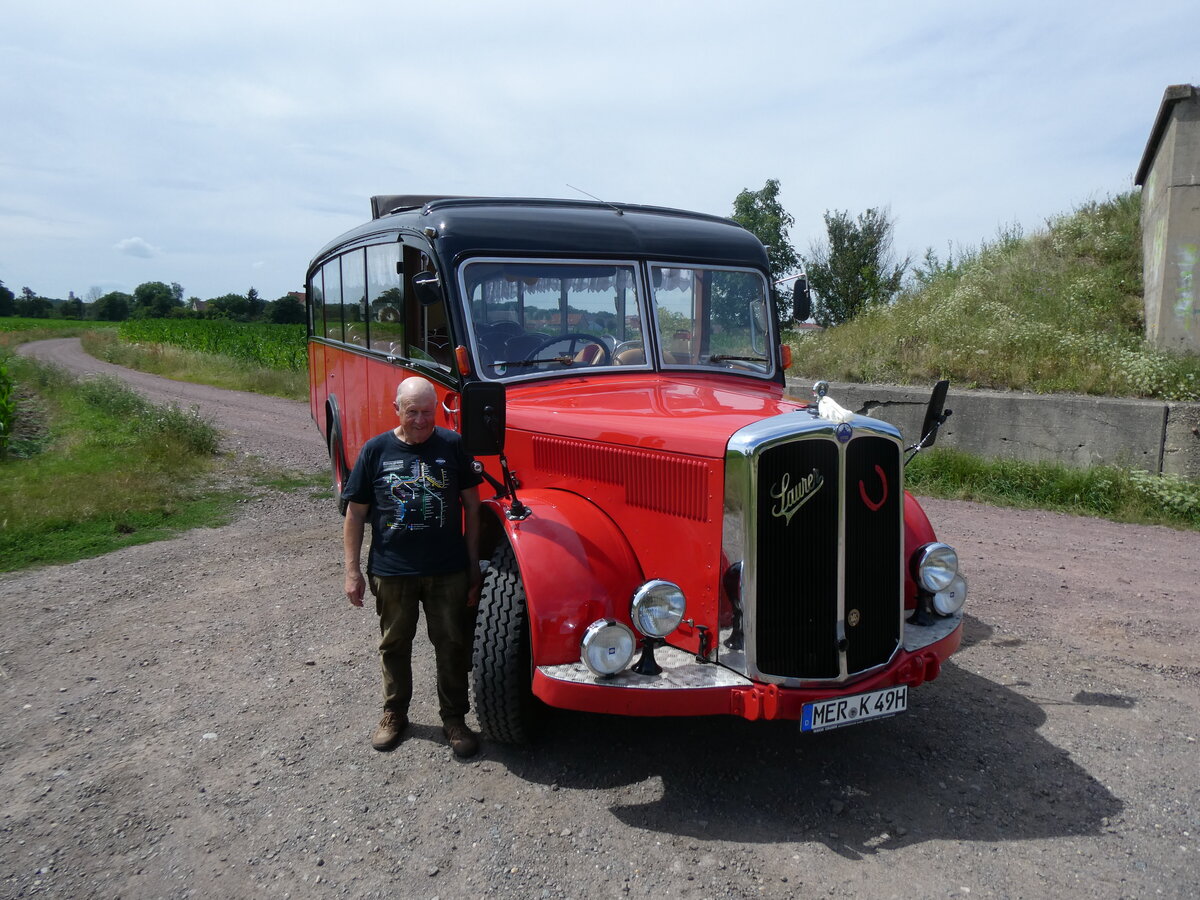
1072	430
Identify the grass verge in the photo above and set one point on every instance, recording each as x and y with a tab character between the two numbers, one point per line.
1122	495
93	467
200	368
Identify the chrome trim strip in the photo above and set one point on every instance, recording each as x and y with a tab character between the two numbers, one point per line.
680	671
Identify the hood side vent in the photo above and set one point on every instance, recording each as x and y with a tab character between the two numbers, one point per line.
669	484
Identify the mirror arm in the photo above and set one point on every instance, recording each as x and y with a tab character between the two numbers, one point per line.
516	509
928	436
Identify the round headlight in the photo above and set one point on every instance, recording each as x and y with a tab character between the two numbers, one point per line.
937	564
607	647
657	608
950	600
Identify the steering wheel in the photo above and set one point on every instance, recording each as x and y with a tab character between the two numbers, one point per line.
572	339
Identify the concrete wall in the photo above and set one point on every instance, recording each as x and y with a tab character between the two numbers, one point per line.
1170	177
1072	430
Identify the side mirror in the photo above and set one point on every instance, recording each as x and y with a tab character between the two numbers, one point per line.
428	288
482	414
933	414
801	300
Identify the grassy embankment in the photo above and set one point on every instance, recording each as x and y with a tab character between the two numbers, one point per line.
1055	311
87	467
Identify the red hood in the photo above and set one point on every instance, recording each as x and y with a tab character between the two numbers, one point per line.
695	416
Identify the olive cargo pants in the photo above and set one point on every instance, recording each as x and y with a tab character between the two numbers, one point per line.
398	600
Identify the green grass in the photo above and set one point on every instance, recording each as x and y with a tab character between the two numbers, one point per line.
182	364
1056	311
17	330
1123	495
93	467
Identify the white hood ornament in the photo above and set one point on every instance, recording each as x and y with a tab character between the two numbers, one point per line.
827	407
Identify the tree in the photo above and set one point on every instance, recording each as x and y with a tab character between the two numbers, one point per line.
71	308
229	306
112	307
287	310
7	304
31	306
153	299
256	303
760	213
855	268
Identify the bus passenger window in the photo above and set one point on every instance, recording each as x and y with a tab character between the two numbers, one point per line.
332	272
385	298
354	298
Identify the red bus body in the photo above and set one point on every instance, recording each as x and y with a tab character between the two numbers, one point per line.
635	358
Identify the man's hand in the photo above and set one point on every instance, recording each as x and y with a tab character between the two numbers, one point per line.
474	585
355	587
352	538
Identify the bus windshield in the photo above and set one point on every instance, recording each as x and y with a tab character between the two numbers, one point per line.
539	317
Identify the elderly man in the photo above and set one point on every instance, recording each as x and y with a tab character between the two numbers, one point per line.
414	484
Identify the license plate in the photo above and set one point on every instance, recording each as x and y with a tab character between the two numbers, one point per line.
851	710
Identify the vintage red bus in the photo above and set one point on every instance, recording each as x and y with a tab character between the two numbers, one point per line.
670	534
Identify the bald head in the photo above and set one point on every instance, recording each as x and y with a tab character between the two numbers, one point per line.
415	388
416	403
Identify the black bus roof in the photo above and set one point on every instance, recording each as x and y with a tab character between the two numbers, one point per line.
528	226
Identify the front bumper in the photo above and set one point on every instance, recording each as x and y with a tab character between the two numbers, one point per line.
688	687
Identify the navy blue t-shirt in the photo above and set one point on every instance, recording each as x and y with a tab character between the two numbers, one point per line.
416	508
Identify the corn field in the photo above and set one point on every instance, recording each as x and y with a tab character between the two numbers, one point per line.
255	343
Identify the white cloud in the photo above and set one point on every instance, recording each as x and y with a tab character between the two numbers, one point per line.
135	246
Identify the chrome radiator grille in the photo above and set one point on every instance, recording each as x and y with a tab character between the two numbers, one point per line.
817	525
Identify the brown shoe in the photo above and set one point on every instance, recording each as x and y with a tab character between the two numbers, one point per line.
463	741
391	729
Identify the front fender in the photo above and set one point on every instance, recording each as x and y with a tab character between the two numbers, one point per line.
576	567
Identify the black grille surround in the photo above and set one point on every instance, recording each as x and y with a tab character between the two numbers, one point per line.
817	523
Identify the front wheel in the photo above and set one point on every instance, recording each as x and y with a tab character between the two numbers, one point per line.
503	658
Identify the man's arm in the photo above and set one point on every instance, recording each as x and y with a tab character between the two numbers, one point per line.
352	538
470	502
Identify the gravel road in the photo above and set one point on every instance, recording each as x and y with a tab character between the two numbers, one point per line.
192	718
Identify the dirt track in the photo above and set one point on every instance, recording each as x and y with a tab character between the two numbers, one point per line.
190	718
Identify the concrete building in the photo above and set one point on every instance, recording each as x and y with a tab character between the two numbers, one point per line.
1169	175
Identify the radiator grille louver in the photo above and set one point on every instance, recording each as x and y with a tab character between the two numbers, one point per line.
797	608
668	484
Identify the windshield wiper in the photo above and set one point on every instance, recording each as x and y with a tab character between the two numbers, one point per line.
565	360
721	357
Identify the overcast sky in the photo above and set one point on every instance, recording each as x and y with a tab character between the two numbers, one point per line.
220	145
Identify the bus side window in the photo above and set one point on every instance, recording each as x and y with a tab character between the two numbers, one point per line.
427	326
332	272
316	309
354	298
385	298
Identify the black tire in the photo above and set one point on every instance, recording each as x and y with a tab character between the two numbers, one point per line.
503	660
337	462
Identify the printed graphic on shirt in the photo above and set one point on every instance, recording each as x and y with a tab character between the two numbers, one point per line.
419	495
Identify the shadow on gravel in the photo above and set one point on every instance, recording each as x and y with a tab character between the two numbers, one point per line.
965	762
